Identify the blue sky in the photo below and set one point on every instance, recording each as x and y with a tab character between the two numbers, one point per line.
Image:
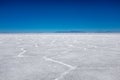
59	15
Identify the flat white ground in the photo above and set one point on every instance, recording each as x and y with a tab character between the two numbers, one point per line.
60	56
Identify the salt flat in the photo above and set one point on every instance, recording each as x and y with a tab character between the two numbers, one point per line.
58	56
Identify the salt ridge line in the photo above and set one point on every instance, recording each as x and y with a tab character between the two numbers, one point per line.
21	53
59	62
64	73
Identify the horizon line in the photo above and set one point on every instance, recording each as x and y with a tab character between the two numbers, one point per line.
58	32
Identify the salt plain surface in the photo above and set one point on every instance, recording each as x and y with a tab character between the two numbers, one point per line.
60	56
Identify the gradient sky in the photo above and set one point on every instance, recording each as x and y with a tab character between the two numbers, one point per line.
59	15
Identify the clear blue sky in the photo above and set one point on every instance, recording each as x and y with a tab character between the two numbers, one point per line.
59	15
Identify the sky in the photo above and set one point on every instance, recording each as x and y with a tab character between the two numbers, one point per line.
59	15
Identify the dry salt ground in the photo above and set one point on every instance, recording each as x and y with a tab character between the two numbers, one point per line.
94	56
